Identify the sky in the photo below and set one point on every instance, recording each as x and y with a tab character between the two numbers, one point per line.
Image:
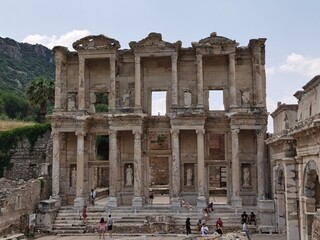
290	26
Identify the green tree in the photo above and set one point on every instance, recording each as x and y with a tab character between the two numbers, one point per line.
40	91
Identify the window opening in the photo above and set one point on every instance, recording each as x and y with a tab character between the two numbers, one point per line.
216	100
158	99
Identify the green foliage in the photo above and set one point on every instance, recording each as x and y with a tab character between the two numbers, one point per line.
14	106
9	140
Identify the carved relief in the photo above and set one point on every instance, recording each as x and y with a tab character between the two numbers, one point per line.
96	42
187	98
72	101
245	97
189	175
158	141
246	175
154	40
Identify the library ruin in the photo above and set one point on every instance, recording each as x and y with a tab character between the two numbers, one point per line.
109	133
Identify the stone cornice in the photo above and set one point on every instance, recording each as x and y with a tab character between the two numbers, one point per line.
96	42
284	107
154	40
312	84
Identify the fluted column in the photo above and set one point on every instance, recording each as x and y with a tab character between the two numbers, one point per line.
175	201
201	199
57	91
236	200
174	75
112	93
56	166
232	80
80	198
260	164
137	84
137	199
113	171
257	71
82	86
200	80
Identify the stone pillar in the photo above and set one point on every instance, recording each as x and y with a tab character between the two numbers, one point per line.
200	80
82	85
80	199
137	199
236	200
57	91
257	71
260	164
112	93
175	201
137	84
232	80
174	74
201	199
56	166
113	171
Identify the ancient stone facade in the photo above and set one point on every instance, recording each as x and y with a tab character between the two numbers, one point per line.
295	156
191	151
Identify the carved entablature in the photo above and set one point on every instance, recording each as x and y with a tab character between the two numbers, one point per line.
97	42
154	40
60	53
257	44
215	45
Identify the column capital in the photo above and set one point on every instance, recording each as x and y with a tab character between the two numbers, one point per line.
200	131
174	132
174	57
113	133
199	57
235	130
113	58
80	134
137	133
137	59
55	134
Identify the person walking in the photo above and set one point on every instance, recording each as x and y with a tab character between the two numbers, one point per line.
246	230
110	224
84	215
188	226
102	228
93	195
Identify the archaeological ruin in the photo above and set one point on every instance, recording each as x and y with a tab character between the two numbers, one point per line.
203	143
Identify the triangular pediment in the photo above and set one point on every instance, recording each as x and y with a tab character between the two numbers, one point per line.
154	40
96	42
215	40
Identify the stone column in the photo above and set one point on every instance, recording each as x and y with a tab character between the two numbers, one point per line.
82	85
201	199
260	164
137	199
175	201
232	80
257	71
56	166
113	170
236	200
200	80
57	91
112	93
174	74
137	84
80	199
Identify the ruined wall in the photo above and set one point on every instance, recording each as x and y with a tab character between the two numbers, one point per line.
29	163
17	198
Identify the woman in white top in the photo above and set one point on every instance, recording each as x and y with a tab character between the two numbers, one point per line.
204	230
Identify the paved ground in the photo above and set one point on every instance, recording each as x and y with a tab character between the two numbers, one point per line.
148	237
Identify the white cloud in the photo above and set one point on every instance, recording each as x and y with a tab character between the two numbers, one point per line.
64	40
296	63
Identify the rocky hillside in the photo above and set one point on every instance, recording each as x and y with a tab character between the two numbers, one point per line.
22	62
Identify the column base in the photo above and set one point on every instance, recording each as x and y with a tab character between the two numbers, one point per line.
175	203
57	198
78	202
112	202
201	202
137	203
236	202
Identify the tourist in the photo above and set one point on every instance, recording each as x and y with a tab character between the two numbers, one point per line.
84	215
93	195
244	217
246	230
199	224
204	230
219	226
110	224
188	226
102	228
252	218
151	197
210	207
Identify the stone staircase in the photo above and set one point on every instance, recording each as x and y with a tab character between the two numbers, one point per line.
151	219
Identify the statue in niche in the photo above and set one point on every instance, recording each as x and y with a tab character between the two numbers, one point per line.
245	97
73	177
71	102
189	176
187	98
93	99
129	176
126	98
286	122
246	177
